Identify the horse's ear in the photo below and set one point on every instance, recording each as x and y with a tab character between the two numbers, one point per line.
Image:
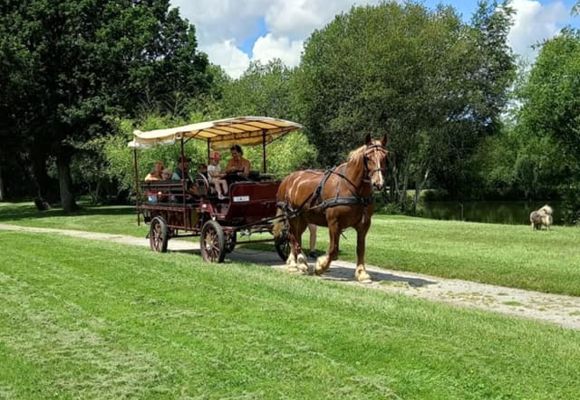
385	140
368	139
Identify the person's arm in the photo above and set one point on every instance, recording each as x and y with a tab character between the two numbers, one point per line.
246	168
229	166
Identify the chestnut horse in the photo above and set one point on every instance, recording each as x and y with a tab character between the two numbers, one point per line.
339	198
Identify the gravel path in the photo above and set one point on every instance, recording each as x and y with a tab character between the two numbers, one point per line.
558	309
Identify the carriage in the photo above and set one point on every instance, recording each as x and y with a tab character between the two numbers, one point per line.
185	208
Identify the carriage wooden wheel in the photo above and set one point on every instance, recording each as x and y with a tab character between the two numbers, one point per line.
158	235
213	242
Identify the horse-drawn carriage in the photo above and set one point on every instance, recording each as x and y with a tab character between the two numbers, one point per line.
189	207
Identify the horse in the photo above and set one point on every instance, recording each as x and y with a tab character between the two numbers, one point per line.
339	198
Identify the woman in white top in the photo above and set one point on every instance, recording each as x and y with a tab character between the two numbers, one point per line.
215	175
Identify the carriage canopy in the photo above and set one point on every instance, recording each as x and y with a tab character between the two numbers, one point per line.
223	133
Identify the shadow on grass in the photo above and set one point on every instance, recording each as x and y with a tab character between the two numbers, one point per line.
21	212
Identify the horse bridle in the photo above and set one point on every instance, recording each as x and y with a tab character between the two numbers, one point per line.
370	172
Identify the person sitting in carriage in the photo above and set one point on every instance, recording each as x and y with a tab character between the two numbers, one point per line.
156	172
182	170
216	176
238	168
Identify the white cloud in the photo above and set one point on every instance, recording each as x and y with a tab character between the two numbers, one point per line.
223	25
535	22
233	60
282	26
298	18
268	47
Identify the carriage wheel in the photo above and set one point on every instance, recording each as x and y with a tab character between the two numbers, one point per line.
282	245
158	235
231	241
212	242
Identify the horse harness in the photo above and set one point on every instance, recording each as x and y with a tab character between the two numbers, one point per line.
355	199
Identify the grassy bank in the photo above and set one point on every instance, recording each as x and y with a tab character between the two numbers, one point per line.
507	255
96	320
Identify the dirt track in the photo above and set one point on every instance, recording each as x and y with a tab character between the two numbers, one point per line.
558	309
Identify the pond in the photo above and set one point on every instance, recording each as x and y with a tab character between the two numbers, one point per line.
499	212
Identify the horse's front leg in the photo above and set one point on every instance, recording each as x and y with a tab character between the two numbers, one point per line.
323	262
360	272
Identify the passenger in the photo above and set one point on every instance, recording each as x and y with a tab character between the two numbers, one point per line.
215	175
166	174
238	168
202	170
182	170
155	174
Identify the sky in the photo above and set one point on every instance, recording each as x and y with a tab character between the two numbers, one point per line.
235	32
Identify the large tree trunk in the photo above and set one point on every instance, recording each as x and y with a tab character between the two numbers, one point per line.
67	199
2	193
45	192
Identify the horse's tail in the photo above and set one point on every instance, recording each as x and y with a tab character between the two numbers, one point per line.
279	224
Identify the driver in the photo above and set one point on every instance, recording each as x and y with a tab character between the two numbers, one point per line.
238	165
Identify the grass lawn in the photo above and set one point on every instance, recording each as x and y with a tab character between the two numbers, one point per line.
105	219
507	255
82	319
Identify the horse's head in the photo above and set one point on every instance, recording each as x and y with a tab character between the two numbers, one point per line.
375	160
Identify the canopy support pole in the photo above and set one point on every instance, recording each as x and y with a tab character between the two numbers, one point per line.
264	150
137	194
208	151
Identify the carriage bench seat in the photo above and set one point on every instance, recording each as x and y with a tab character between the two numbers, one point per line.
172	191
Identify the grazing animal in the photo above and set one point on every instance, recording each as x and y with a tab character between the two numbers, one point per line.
339	198
542	218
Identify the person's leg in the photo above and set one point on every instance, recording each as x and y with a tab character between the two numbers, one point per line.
218	189
224	186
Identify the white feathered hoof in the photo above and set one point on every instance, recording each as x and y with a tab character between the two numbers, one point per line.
361	275
291	260
321	265
302	263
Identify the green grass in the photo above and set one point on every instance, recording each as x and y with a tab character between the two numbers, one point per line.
98	320
105	219
507	255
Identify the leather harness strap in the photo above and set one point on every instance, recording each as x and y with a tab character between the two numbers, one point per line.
336	201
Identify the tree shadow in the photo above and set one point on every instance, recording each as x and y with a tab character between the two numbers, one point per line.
20	212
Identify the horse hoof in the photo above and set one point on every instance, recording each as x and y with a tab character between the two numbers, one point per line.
364	278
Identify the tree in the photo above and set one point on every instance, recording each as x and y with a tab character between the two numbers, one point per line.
434	84
85	61
551	107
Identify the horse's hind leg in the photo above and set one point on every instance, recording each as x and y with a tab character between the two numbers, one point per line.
301	261
296	261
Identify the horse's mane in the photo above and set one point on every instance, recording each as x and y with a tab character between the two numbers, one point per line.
360	152
356	153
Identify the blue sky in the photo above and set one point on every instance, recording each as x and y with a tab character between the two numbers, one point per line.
233	33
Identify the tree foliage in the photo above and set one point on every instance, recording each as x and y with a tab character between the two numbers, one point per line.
72	64
434	84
